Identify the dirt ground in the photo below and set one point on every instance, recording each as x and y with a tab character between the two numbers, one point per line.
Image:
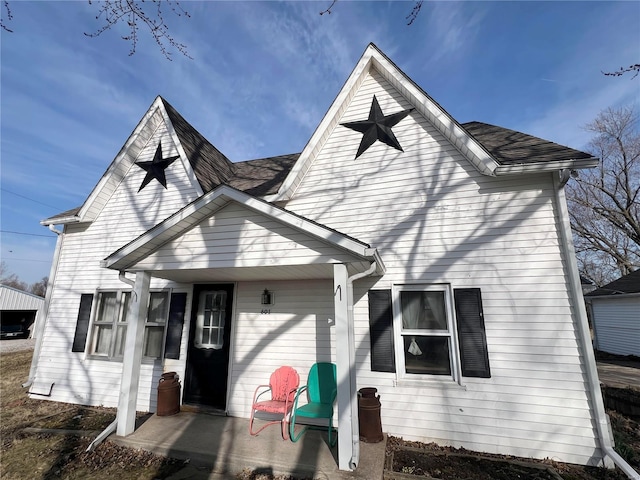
49	440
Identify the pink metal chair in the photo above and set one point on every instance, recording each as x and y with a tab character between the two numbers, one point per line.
282	385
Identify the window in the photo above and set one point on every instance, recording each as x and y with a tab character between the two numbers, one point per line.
109	328
210	319
423	319
155	324
110	324
422	331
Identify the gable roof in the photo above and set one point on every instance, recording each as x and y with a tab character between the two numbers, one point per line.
628	284
491	149
192	214
479	155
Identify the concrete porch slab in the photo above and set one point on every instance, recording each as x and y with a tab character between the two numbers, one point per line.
218	447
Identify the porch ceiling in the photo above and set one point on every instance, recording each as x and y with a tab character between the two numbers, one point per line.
247	274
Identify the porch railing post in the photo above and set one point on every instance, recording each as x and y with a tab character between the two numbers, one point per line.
132	357
345	446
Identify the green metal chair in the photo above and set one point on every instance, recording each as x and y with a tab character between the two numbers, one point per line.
321	388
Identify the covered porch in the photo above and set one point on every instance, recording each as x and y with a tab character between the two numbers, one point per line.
218	447
228	237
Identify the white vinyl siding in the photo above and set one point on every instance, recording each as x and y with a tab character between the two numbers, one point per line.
435	219
238	237
617	324
126	214
298	331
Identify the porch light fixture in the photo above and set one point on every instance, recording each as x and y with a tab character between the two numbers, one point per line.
267	297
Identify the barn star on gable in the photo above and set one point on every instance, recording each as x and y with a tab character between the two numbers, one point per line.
377	127
156	168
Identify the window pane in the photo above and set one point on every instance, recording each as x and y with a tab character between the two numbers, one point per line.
153	341
423	310
157	307
121	334
107	310
126	300
102	339
427	355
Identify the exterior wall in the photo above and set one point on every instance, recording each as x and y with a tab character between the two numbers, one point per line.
435	219
127	214
617	324
299	331
239	237
12	299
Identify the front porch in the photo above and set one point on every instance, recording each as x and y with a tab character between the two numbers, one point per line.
223	444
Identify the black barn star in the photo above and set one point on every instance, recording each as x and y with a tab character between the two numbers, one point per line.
156	167
377	127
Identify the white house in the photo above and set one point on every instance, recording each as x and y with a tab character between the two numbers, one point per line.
429	259
615	315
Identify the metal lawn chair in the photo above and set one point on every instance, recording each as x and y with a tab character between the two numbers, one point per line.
283	384
321	391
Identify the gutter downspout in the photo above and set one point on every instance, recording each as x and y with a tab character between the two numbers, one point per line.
584	338
355	430
43	314
103	436
113	425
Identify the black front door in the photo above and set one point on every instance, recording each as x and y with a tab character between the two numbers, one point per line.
208	353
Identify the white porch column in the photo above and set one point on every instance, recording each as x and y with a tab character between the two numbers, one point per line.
343	363
132	358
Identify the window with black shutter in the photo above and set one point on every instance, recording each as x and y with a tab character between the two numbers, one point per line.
175	324
474	354
82	325
423	325
381	331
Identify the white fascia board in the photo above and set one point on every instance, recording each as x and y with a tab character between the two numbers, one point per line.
437	116
60	220
183	155
157	103
192	214
329	121
520	168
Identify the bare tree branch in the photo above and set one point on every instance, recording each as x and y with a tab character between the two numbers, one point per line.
145	13
328	10
7	10
414	12
603	202
623	70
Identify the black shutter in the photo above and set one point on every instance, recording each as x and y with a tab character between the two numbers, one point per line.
174	327
82	325
471	333
383	357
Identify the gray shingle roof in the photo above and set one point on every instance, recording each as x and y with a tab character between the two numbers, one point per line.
627	284
511	147
265	176
210	165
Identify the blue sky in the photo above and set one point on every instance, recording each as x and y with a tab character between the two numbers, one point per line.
264	73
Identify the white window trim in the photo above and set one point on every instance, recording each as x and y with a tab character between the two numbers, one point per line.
119	293
402	377
115	324
165	324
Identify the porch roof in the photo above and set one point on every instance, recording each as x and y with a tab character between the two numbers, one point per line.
286	246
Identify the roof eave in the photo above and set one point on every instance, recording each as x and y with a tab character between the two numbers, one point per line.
60	220
552	166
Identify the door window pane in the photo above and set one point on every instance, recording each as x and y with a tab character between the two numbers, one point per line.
210	320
